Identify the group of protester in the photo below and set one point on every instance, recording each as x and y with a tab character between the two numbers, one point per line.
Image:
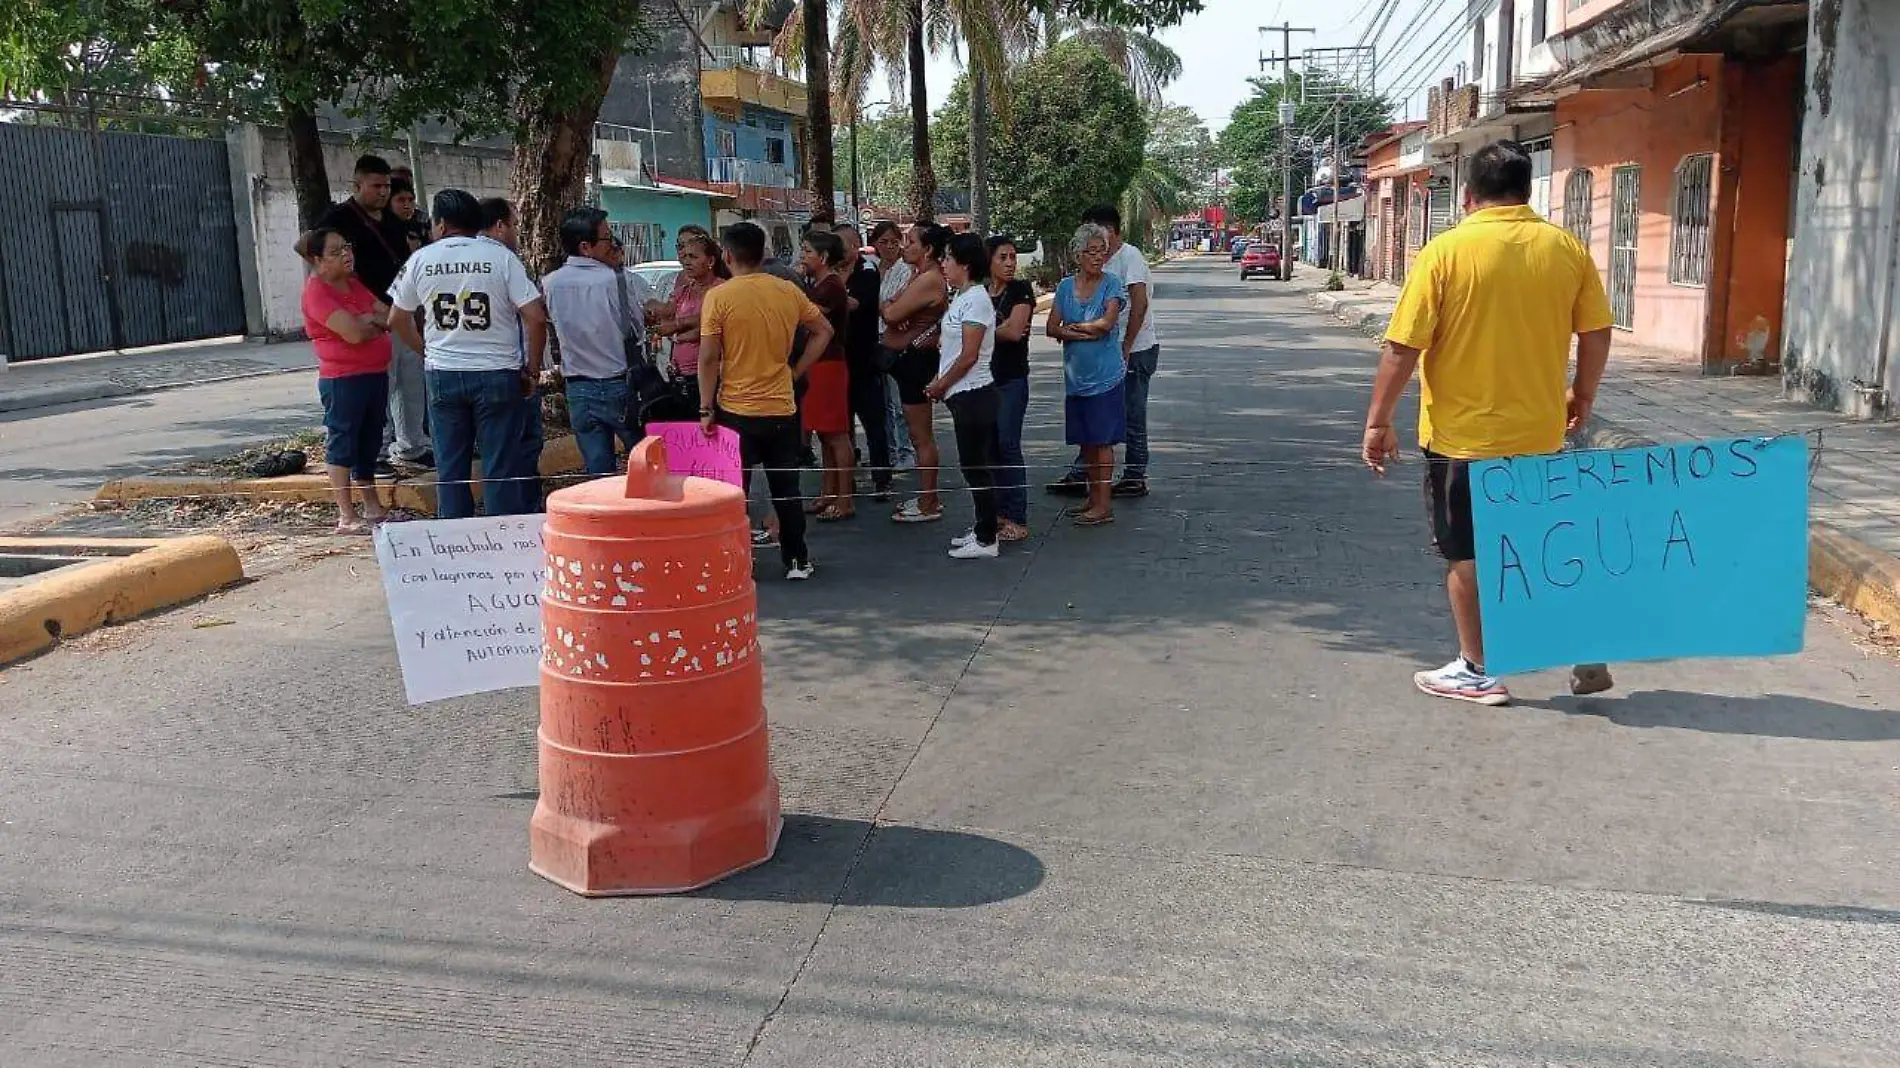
431	340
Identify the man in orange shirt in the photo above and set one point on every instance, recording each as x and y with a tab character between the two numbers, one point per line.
1486	317
745	329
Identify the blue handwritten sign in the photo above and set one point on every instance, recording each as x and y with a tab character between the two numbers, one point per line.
1656	553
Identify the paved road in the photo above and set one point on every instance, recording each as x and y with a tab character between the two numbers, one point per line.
53	457
1153	794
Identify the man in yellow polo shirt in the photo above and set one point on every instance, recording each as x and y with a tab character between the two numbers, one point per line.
745	329
1486	318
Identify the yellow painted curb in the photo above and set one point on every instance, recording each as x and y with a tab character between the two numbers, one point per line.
1855	574
157	575
559	456
311	488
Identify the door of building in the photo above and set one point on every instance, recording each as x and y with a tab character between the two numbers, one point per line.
85	296
1626	185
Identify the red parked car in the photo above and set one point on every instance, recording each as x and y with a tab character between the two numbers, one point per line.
1260	258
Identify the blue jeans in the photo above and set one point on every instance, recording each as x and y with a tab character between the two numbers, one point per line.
471	410
1012	482
597	410
524	489
1141	368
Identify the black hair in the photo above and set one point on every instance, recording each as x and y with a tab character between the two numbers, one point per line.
1500	173
371	165
826	244
885	227
1106	216
997	241
458	211
310	245
745	243
580	227
857	232
934	238
970	251
495	211
399	184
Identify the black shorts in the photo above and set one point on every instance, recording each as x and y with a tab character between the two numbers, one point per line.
912	370
1448	499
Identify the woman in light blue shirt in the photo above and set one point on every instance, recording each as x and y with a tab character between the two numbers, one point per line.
1086	318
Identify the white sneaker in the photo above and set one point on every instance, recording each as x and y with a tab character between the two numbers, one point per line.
1457	682
975	550
904	463
800	571
968	537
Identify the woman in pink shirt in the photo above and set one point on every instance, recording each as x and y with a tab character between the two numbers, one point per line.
700	265
345	323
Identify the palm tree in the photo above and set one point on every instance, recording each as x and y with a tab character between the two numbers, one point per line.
809	37
1149	64
902	34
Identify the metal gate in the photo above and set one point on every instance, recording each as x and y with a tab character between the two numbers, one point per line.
1626	185
114	240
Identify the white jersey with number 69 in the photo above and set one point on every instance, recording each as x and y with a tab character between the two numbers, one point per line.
470	291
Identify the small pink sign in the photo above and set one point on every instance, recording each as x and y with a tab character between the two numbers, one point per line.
690	452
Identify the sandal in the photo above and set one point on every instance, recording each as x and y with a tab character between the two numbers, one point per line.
351	530
911	512
817	505
1088	519
835	514
1012	532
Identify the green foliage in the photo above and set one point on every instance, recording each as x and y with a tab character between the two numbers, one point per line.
1073	138
1253	143
59	51
1145	13
884	157
1175	169
396	62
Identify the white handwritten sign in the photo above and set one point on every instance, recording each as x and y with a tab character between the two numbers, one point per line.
465	601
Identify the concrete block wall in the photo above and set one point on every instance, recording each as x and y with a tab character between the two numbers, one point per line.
1842	278
261	167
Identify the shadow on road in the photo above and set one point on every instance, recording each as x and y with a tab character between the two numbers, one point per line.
1769	716
901	868
1825	913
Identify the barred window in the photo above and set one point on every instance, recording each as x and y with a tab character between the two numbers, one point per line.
1579	196
1689	222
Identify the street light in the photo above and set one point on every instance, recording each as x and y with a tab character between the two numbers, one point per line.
857	200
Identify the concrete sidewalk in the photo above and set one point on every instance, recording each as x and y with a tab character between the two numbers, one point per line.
104	375
1652	396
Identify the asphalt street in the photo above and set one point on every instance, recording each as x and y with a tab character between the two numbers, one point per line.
1159	793
53	457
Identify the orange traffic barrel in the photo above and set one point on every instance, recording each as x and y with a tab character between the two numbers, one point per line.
655	772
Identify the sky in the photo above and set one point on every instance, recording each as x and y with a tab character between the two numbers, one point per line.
1220	48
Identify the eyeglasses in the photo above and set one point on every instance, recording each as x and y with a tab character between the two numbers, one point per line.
340	251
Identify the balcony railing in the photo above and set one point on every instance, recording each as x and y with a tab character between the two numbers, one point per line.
732	170
750	57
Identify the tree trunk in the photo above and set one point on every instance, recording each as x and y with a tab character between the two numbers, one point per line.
923	182
979	149
552	154
818	106
308	174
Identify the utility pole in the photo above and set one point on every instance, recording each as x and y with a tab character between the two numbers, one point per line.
1286	31
1338	162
